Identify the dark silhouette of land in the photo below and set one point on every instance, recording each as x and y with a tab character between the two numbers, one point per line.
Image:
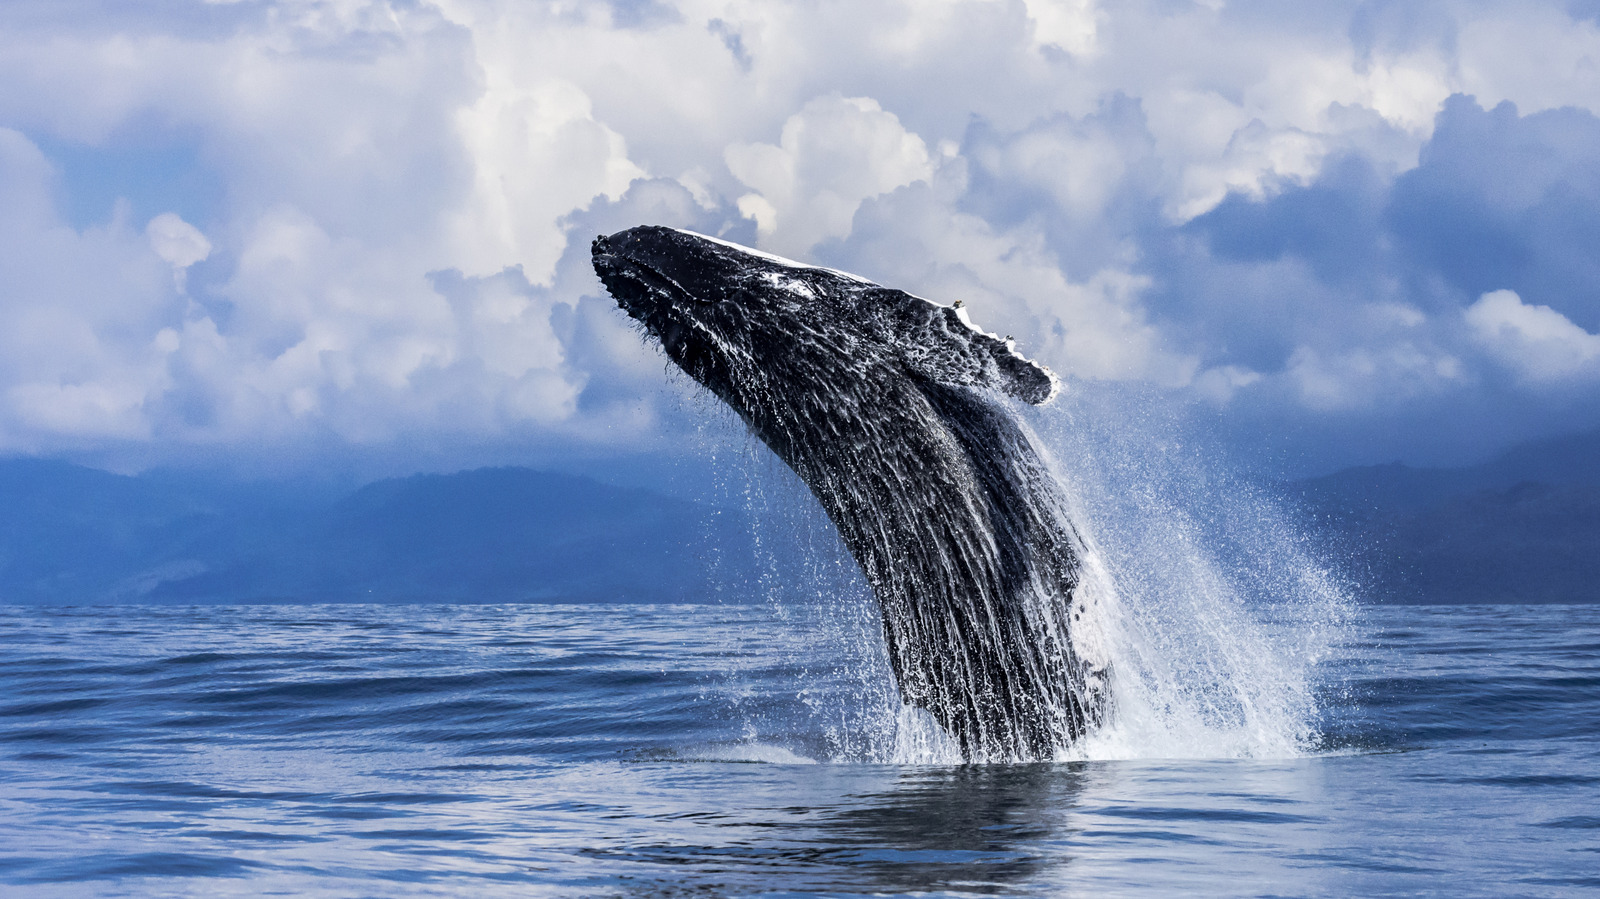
75	535
1521	528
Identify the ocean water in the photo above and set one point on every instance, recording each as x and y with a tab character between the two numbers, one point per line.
751	750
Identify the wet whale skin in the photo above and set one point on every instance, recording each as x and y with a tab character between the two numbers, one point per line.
889	407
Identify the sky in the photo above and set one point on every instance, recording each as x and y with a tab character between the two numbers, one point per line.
283	236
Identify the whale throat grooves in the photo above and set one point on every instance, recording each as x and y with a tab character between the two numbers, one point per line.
890	408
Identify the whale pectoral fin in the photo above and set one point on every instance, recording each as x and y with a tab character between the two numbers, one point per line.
940	343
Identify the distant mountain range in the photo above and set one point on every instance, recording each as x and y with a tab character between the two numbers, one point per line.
1524	527
75	535
1521	528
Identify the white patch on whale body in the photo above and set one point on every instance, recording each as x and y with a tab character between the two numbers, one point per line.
792	285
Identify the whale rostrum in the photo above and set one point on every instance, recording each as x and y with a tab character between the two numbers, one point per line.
889	407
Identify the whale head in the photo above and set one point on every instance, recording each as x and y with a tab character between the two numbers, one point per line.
720	311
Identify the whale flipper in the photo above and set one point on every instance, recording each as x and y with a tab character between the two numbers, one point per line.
941	343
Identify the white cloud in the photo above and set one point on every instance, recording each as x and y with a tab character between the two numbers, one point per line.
1537	342
538	154
1256	160
97	409
1535	56
1079	167
1367	377
177	242
1219	384
79	315
1013	285
834	153
1407	90
1069	25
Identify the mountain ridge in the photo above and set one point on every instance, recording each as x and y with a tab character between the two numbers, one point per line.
70	534
1521	527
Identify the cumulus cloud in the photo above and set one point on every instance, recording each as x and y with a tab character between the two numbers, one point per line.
1537	342
1093	327
81	322
1067	25
535	150
1362	377
834	153
1346	212
178	242
1391	295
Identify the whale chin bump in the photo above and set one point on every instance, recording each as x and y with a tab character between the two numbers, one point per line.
889	407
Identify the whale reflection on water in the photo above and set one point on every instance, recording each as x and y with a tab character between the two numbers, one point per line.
880	830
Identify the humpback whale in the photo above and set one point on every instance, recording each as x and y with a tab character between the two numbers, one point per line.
889	407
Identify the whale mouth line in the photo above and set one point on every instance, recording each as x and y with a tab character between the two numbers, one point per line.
652	279
654	303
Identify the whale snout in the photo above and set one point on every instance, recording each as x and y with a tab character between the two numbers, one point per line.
638	267
628	281
689	267
645	269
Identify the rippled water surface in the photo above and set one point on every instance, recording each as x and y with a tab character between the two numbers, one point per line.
672	751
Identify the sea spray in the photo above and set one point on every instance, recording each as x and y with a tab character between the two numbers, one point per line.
1214	612
844	706
1223	612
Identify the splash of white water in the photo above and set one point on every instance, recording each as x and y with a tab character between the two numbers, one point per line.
1211	610
1217	611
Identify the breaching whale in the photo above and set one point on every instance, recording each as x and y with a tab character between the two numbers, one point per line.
886	405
